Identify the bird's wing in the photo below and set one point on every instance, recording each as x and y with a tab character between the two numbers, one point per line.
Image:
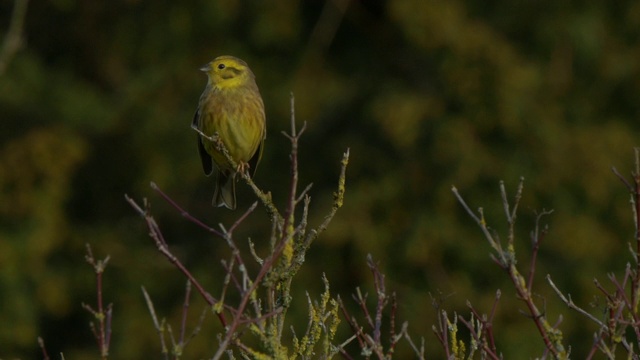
207	165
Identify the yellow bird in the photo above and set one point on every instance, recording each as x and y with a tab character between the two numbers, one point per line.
232	107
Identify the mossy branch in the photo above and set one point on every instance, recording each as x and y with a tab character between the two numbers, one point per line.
290	240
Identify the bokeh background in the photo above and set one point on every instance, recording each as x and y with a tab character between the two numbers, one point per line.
427	94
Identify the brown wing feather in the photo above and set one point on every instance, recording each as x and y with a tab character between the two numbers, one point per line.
207	164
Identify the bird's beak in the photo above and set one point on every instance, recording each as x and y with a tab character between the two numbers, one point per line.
206	68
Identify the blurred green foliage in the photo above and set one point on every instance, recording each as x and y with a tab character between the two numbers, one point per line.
426	94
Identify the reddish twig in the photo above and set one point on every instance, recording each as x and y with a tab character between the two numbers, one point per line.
378	282
536	238
294	137
479	337
373	343
183	212
161	245
185	311
288	233
242	218
285	235
45	355
484	337
353	323
101	331
506	259
442	334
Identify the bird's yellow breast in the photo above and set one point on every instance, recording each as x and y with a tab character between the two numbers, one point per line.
237	115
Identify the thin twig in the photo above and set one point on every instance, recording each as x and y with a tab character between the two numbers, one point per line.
441	332
161	245
419	352
536	239
45	355
478	336
270	261
480	220
622	178
569	302
156	324
183	212
506	259
185	311
242	218
102	331
265	198
288	241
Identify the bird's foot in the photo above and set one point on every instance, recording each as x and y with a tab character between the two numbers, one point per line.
243	168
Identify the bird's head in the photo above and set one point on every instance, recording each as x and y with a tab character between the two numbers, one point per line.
228	72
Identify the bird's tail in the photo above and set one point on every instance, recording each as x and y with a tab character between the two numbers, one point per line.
225	193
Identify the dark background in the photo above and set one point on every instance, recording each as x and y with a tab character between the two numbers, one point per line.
426	94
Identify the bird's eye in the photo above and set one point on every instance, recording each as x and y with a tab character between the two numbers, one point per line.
221	66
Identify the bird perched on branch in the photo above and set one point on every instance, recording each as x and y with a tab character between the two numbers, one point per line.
232	108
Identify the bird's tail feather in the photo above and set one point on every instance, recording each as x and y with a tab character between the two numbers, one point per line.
225	193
